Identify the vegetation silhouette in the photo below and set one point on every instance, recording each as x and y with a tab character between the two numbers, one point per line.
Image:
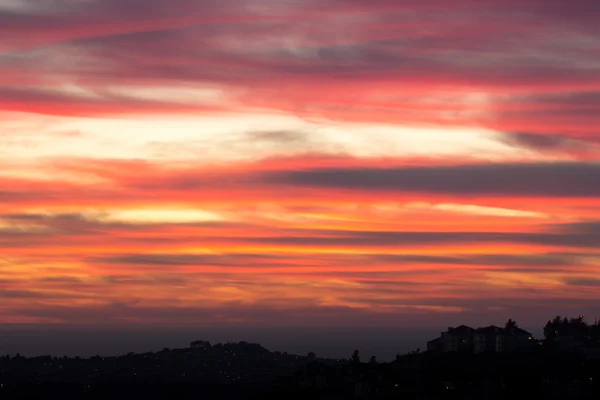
510	324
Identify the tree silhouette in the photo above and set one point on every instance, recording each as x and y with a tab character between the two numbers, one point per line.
356	357
510	324
550	331
578	327
373	360
563	326
595	331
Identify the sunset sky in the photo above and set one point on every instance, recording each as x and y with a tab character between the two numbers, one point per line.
315	163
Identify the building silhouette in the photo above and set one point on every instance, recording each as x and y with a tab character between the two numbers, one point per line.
487	339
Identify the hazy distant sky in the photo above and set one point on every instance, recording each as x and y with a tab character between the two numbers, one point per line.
236	164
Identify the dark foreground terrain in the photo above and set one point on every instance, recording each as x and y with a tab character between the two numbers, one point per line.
249	371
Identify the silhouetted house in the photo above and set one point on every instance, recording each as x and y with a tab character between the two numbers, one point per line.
200	344
436	344
459	339
314	375
513	339
487	339
495	339
454	339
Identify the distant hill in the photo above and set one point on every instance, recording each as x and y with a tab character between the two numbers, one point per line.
249	371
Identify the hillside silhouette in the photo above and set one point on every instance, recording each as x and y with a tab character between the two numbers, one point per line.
545	370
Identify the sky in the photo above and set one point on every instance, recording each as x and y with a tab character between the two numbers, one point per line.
376	170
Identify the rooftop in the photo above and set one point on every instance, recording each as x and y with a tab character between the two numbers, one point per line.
462	329
489	330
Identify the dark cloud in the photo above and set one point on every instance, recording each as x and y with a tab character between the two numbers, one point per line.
527	180
583	281
586	227
52	102
146	280
121	312
543	142
67	224
342	239
505	260
408	239
366	58
483	300
30	294
23	217
263	312
60	279
236	259
155	259
589	99
108	16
